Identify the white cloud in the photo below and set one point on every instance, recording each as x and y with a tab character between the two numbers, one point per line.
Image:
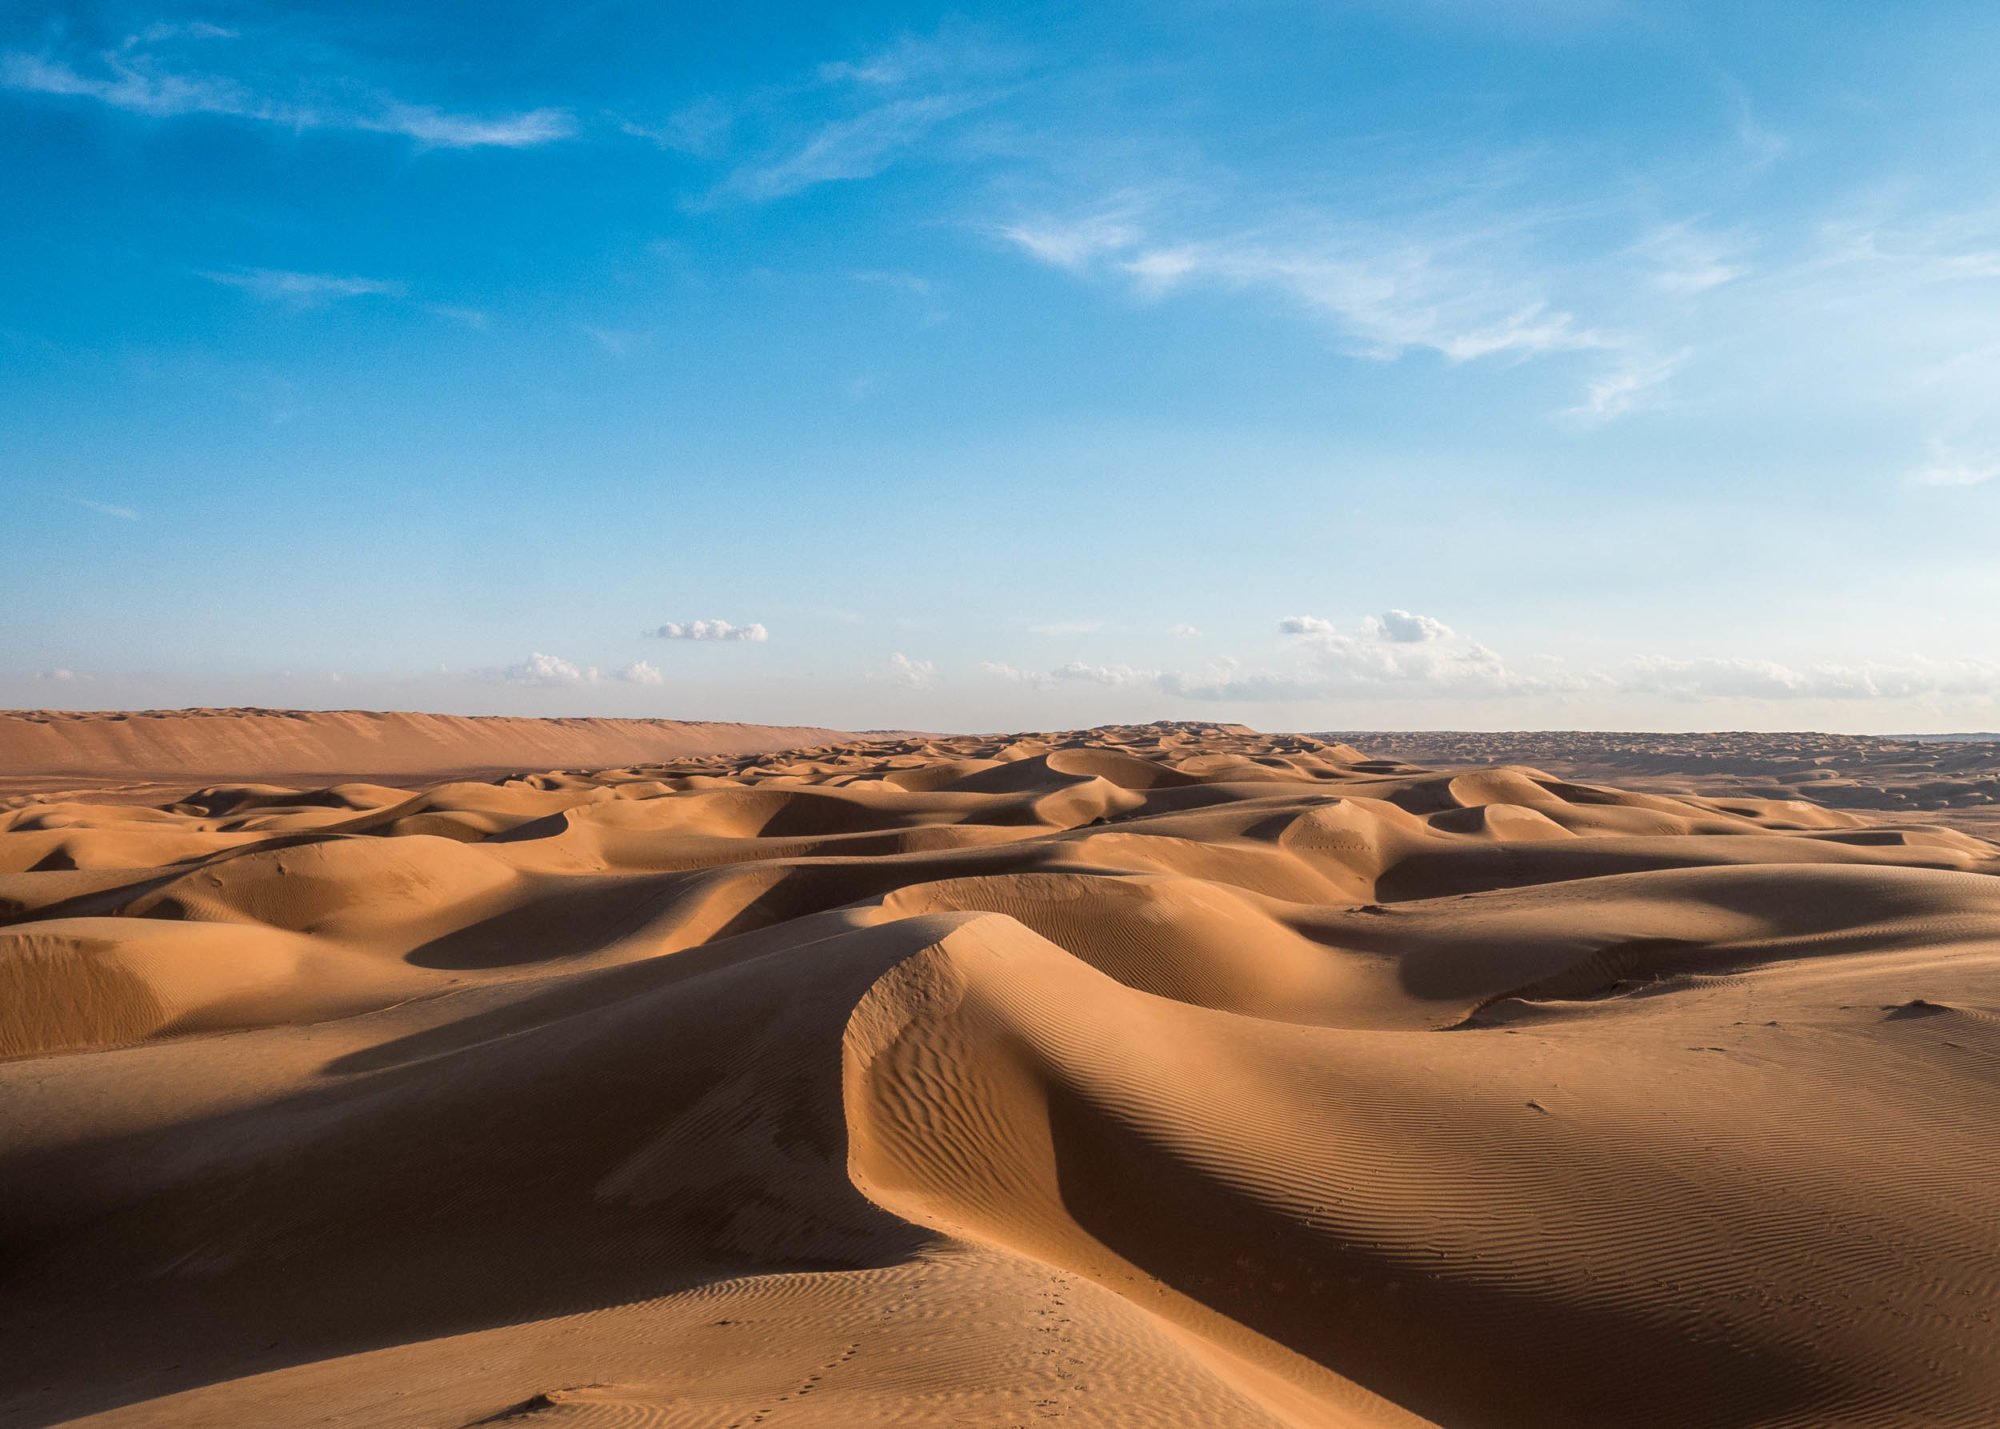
1389	292
917	58
1686	261
1405	628
700	129
549	670
1405	656
1104	674
639	672
910	674
1074	672
1628	387
1737	678
1946	465
122	513
131	79
930	311
1072	244
1325	664
59	676
859	147
1183	632
440	130
709	630
303	289
470	317
617	342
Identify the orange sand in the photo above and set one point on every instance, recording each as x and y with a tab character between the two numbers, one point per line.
1163	1076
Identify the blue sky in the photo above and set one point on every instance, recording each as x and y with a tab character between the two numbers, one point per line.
1449	363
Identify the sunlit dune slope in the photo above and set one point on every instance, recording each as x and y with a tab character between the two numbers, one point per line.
43	749
1171	1075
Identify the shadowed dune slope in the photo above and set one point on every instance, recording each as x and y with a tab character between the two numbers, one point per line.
1171	1075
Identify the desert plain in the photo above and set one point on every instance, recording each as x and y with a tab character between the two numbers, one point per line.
1169	1075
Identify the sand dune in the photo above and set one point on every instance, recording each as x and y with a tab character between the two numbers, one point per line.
62	749
1953	776
1169	1075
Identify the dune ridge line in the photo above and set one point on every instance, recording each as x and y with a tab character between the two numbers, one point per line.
1173	1074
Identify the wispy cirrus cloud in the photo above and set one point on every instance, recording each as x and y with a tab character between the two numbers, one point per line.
1627	386
305	290
925	292
1685	260
121	513
1388	291
153	74
1949	465
850	119
859	147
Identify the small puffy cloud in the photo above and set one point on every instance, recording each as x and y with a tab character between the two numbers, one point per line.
1183	632
1344	666
548	671
709	630
639	672
1740	678
910	674
1104	674
1396	653
1406	629
1075	672
59	676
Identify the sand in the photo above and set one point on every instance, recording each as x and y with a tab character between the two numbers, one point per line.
1954	778
1167	1075
164	751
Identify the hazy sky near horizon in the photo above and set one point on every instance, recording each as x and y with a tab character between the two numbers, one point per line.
1343	364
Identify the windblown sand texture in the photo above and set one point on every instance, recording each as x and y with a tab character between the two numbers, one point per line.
1172	1076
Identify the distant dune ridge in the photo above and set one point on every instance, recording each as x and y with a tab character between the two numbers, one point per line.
1850	771
153	745
1172	1075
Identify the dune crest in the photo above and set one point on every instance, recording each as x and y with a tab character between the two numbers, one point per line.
1172	1075
41	749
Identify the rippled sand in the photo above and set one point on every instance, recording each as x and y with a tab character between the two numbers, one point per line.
1171	1075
